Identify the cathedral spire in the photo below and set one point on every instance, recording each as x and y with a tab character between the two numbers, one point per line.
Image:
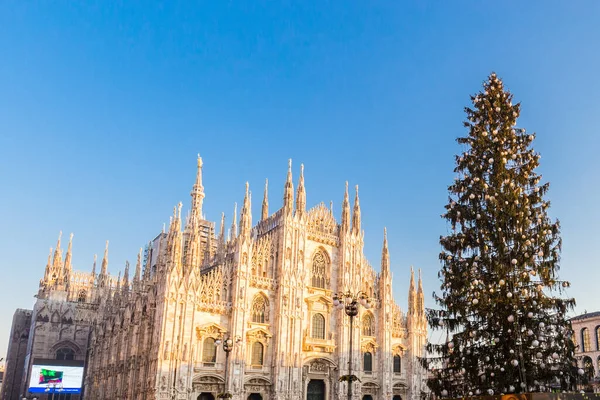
385	255
412	297
197	192
346	211
48	271
356	214
420	296
126	277
57	259
301	194
288	193
94	266
68	267
246	214
138	268
234	223
104	268
222	229
265	203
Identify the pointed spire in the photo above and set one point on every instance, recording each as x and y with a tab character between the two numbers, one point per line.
412	297
94	266
385	255
356	214
48	269
346	211
233	230
265	203
104	268
246	214
222	229
288	192
138	268
301	194
197	192
148	262
126	276
68	267
57	260
420	296
119	282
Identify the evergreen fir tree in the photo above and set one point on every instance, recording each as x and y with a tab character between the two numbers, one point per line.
501	303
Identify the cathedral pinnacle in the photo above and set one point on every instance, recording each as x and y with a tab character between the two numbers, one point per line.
346	211
197	192
412	298
222	230
288	193
68	269
356	214
104	268
301	194
94	268
234	222
265	203
57	260
385	255
246	214
126	277
138	268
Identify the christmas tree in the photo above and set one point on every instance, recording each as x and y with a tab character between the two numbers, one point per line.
501	304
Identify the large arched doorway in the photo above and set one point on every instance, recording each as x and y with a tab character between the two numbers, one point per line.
315	390
397	397
255	396
367	397
206	396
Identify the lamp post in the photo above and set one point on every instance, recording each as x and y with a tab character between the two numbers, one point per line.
52	388
350	303
227	343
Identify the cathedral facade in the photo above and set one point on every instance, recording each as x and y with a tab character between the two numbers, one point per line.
249	314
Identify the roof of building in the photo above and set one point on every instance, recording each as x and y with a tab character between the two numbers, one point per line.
586	316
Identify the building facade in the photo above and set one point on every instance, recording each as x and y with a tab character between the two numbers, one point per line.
263	291
16	355
586	328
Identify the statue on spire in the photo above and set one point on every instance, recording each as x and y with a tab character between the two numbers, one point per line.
356	215
265	203
301	194
346	211
197	193
288	192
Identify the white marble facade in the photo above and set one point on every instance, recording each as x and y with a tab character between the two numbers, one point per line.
268	287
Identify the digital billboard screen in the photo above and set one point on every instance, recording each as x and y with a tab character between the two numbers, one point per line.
55	378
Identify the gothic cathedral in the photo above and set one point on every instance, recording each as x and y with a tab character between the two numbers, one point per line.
249	313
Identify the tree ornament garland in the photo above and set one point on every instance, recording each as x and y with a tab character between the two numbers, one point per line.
501	298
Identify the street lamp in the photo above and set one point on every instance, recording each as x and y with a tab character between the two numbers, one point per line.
52	387
227	343
350	303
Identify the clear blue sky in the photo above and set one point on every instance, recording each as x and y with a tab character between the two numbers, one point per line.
103	108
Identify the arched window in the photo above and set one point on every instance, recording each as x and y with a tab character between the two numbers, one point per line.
368	362
368	328
318	326
588	368
257	354
585	340
209	351
260	309
319	270
65	353
81	296
598	340
397	364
